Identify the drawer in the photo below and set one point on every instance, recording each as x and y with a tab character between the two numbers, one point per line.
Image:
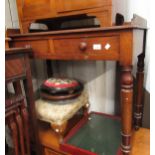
74	5
41	47
93	47
14	67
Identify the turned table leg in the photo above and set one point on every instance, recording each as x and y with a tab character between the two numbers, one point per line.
126	108
139	95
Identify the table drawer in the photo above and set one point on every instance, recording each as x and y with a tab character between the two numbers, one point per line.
107	47
14	67
38	46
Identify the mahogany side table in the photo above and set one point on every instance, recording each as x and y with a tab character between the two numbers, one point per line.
116	43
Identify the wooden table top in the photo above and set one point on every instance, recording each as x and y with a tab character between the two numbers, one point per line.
126	26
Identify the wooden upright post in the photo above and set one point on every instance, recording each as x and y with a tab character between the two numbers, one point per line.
126	108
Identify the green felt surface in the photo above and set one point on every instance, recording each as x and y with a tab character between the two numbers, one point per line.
100	135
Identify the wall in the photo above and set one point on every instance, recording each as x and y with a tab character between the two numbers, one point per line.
141	8
99	76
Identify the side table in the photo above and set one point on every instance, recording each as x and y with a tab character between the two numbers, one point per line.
116	43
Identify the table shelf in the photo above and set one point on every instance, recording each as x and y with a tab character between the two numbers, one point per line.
96	134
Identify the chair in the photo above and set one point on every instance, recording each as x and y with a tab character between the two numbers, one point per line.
17	112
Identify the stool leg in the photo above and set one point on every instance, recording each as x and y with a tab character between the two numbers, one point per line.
60	129
20	127
13	128
126	108
139	95
86	109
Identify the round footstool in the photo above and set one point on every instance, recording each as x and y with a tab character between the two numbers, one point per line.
57	113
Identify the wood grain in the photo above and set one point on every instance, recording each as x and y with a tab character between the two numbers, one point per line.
13	127
141	142
21	135
30	11
14	67
72	46
17	63
123	46
126	108
69	5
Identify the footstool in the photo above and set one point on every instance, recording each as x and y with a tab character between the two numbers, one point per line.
57	113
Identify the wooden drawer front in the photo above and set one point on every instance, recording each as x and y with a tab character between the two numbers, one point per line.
38	46
107	47
72	5
14	67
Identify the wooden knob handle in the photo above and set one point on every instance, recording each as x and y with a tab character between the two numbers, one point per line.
83	46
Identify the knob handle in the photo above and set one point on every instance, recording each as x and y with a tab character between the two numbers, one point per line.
83	46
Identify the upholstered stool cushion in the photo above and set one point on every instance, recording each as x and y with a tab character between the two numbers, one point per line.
54	113
61	86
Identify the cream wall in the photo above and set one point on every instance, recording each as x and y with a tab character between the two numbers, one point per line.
99	76
141	8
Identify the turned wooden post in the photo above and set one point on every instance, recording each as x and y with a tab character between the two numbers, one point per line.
138	114
139	96
126	108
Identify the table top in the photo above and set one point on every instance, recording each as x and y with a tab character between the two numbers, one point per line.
82	30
